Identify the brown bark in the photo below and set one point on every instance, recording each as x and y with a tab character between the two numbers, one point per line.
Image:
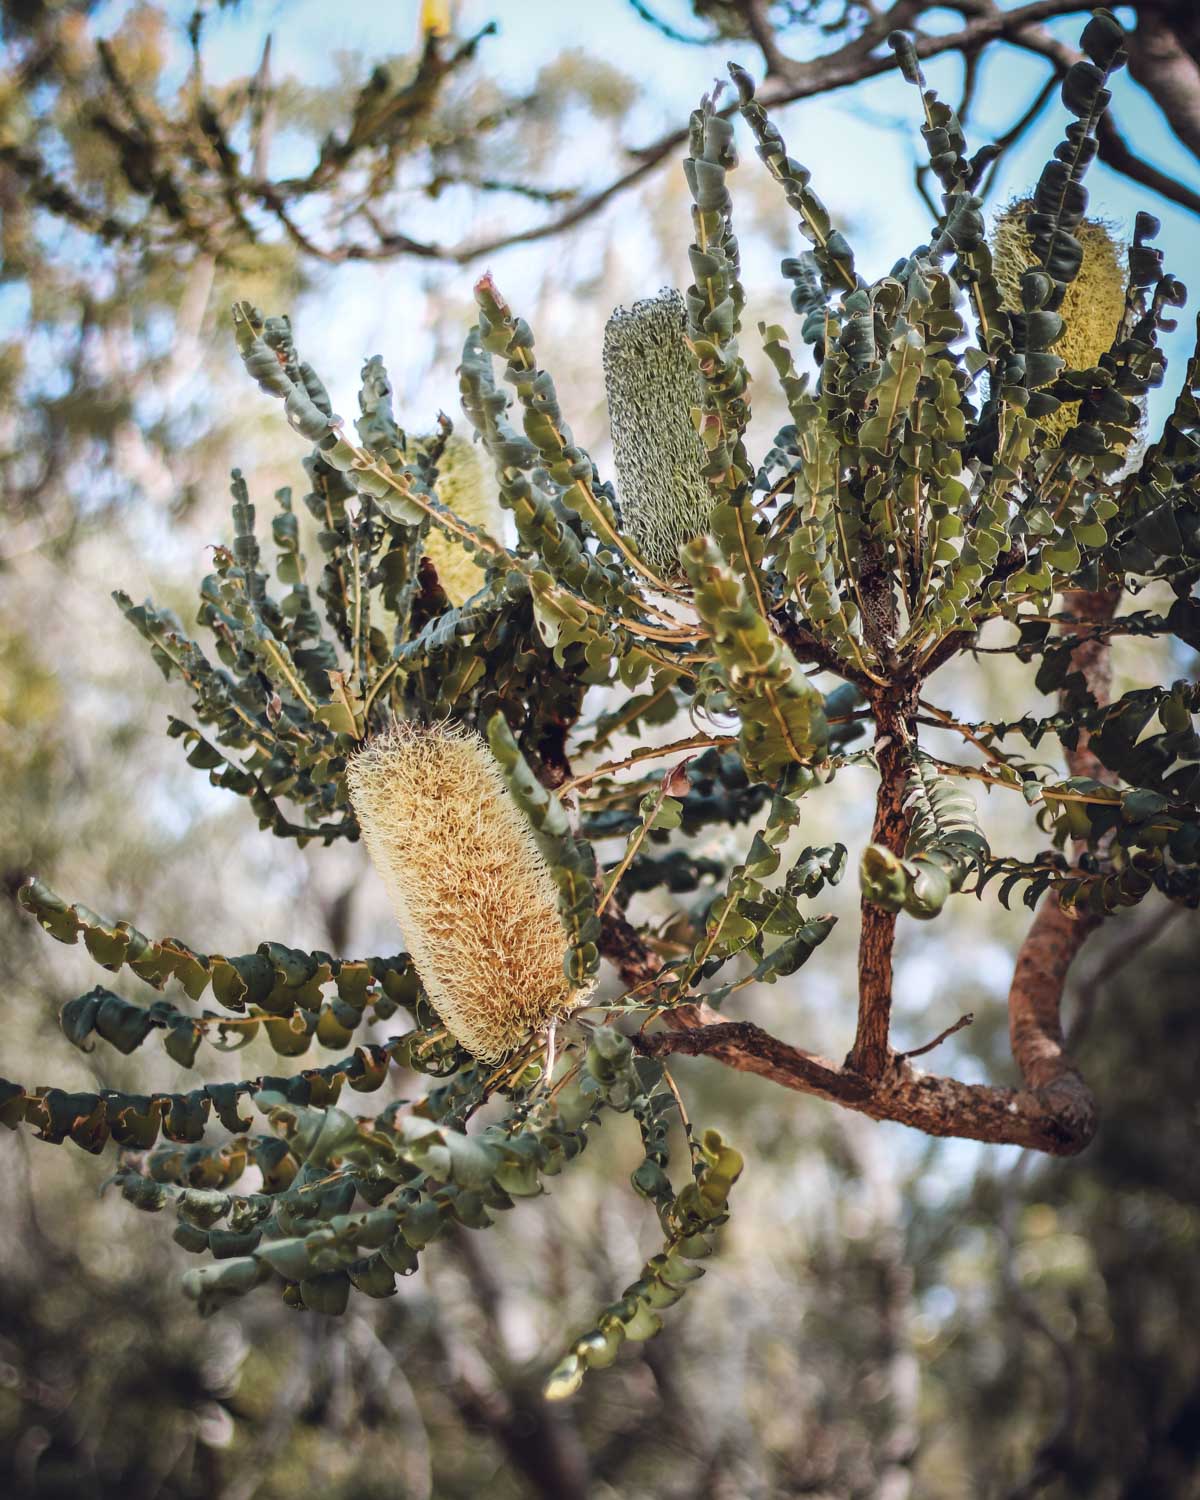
1053	1112
807	647
1114	150
895	712
1093	657
1163	53
1058	1117
1034	1009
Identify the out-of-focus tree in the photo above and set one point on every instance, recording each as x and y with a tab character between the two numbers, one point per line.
138	195
794	37
1059	1299
177	192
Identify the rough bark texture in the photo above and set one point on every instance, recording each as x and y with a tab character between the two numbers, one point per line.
1034	1019
1059	1119
1054	1111
1093	657
894	718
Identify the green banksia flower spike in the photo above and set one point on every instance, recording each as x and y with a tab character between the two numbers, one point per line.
653	387
464	488
470	888
1092	307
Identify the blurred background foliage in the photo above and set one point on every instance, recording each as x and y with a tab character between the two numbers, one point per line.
889	1316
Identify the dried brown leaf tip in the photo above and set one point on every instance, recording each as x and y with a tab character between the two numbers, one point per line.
470	889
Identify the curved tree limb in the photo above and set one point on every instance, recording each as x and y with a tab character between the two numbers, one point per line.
1165	59
1058	1119
788	81
1114	150
1053	1112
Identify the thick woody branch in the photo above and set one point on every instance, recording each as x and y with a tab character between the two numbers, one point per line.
1114	151
894	709
1035	1009
789	80
1058	1117
1163	62
1093	658
1054	1111
806	646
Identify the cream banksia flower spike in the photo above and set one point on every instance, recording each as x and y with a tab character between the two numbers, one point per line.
470	888
1092	307
653	387
462	487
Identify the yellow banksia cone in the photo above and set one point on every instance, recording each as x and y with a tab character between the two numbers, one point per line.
463	487
1092	307
653	387
470	889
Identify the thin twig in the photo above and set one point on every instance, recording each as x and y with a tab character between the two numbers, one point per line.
941	1037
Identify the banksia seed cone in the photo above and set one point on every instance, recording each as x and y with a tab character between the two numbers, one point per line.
653	386
471	891
1091	308
462	486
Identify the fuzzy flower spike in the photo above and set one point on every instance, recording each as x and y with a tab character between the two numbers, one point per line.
1091	308
653	387
463	486
469	886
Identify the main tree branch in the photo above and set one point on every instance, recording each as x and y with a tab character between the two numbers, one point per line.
895	709
1053	1111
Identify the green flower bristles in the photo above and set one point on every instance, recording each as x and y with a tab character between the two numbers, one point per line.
463	487
653	388
1092	307
472	893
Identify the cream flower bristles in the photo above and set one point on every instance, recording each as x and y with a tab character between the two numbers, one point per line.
1091	307
464	487
472	893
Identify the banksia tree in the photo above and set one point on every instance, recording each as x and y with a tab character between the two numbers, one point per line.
925	486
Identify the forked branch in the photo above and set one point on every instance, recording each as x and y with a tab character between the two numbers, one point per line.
1053	1111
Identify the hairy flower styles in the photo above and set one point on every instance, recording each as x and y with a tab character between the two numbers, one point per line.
653	386
462	487
1091	308
469	886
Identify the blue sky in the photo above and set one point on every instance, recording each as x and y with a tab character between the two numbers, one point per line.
861	145
861	166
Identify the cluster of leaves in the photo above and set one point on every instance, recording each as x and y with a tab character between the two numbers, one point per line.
945	843
689	1218
416	1169
913	497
